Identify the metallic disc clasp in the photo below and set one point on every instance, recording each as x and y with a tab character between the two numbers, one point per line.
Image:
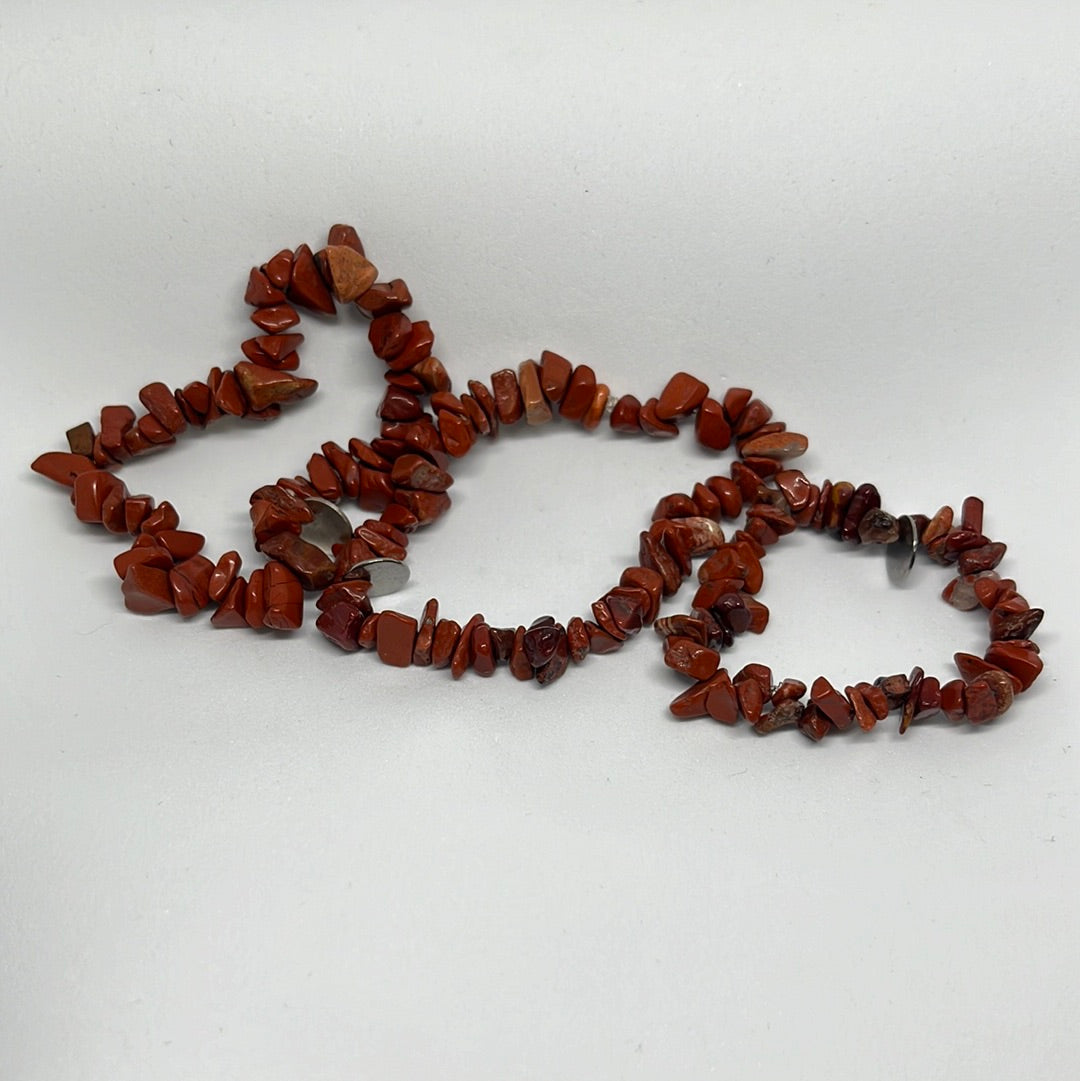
900	555
328	527
385	575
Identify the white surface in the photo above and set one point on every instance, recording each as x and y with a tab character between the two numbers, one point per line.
229	857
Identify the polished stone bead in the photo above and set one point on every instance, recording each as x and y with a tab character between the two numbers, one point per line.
777	445
180	543
878	527
388	334
813	723
309	563
752	417
284	598
735	401
80	439
396	638
577	639
676	505
146	589
938	526
483	650
502	643
558	663
368	635
702	534
653	555
426	506
275	319
444	642
787	713
651	581
691	703
353	592
61	467
554	373
90	491
911	702
960	593
895	688
864	715
711	426
983	558
675	542
507	393
681	396
952	699
729	494
759	615
865	499
255	599
731	612
683	626
597	409
928	701
457	433
721	702
264	387
475	412
416	348
152	555
279	268
599	640
384	298
626	416
160	402
348	273
463	655
780	523
972	667
652	425
230	612
1013	618
518	663
486	400
306	286
690	658
579	393
189	581
760	674
831	703
163	516
400	404
980	704
751	699
795	487
1022	663
324	478
416	472
261	291
347	235
971	514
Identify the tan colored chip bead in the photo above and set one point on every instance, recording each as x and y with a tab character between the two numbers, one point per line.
537	410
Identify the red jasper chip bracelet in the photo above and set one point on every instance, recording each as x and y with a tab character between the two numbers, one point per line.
401	480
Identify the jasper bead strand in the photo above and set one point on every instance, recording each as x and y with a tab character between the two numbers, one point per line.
731	575
163	569
683	526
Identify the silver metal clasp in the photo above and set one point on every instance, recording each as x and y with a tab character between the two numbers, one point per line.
330	527
900	555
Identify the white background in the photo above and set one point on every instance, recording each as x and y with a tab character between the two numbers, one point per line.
225	855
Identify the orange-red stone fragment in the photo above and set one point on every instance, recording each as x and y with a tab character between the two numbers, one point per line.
579	393
146	589
554	374
396	638
681	396
264	387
